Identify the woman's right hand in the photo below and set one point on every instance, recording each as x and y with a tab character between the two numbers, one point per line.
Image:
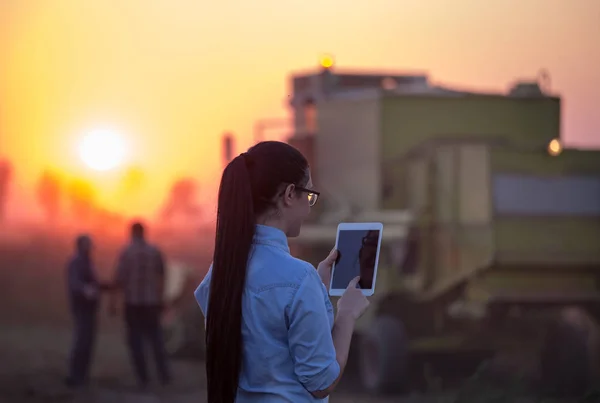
353	303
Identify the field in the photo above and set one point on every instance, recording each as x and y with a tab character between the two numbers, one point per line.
36	364
35	337
33	363
35	330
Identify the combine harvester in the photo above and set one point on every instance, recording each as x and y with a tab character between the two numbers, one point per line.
491	226
490	256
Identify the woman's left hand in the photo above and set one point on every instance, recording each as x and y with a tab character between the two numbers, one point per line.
324	268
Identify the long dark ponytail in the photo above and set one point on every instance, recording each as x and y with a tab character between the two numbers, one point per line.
235	230
249	187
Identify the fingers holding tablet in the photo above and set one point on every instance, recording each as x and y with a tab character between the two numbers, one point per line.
324	268
353	302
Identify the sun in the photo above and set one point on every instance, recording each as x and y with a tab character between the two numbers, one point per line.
102	150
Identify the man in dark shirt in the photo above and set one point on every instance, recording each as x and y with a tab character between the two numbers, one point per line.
83	290
140	277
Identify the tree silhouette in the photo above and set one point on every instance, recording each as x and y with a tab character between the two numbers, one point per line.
82	197
130	187
6	171
49	194
181	199
133	180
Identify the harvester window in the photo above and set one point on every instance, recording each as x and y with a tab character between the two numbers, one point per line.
531	195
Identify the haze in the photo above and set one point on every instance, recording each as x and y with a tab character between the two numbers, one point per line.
171	77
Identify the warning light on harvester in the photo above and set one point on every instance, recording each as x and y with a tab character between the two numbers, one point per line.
326	61
554	147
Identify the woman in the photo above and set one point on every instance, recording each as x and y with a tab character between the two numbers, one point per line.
270	330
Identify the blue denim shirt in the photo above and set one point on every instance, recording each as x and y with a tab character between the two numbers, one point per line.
287	319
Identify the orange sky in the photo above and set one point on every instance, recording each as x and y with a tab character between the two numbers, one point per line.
171	76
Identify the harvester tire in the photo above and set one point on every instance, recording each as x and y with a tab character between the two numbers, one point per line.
383	352
184	337
174	335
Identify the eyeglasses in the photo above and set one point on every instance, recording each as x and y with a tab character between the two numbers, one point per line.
313	195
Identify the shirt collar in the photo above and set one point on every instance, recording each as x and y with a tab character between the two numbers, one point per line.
137	242
82	256
266	235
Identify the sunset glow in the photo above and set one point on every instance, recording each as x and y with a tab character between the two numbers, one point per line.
173	76
102	150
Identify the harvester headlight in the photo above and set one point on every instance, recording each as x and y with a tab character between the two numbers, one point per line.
555	147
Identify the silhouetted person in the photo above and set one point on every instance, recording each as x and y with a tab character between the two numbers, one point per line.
140	277
83	290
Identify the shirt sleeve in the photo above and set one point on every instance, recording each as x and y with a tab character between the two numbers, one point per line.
201	293
120	272
311	342
160	262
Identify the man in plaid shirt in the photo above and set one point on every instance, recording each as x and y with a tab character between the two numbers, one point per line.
140	276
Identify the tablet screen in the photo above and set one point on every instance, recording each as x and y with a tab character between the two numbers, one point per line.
357	257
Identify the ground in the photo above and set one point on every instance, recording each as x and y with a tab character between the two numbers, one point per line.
35	336
36	358
33	363
35	332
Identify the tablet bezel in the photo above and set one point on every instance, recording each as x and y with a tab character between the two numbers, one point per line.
364	226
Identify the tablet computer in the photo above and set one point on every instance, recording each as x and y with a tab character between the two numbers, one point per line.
358	246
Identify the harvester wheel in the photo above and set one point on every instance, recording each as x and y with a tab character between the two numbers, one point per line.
174	335
383	355
184	335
